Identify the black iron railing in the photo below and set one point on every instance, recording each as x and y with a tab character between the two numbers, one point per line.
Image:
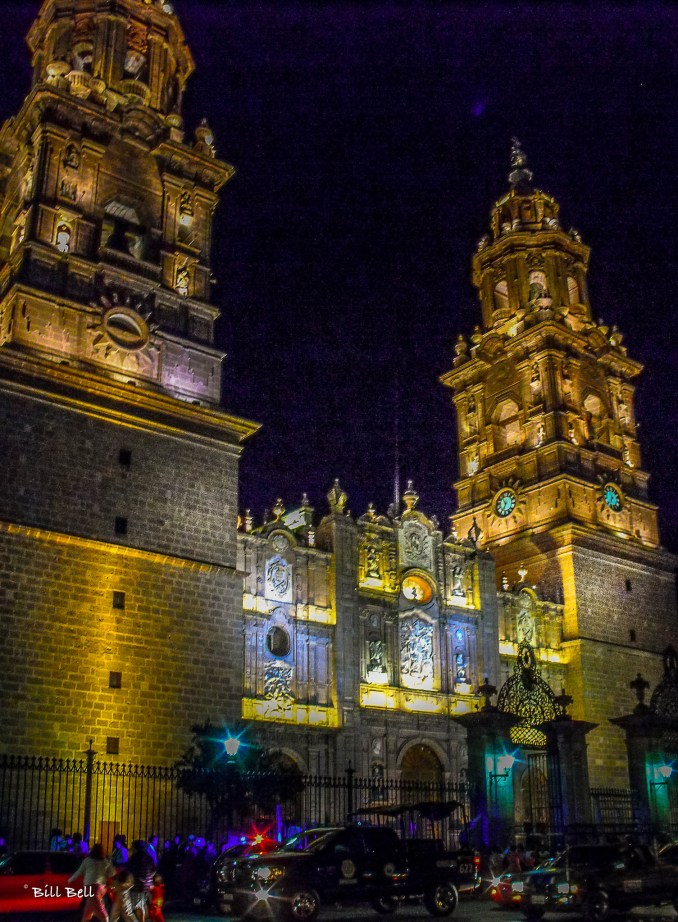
101	799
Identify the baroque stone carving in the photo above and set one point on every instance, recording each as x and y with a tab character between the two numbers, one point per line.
415	545
377	661
280	543
372	562
278	683
526	629
278	580
416	652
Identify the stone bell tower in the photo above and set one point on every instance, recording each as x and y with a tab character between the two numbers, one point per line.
550	463
119	490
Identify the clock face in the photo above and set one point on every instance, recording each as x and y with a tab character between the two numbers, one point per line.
612	497
505	503
417	590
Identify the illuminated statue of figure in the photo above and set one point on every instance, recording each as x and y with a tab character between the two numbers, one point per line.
372	569
458	581
183	279
376	651
461	676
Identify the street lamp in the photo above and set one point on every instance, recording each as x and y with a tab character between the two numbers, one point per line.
505	763
665	771
231	745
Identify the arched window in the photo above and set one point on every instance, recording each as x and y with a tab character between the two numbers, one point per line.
538	289
278	642
573	293
122	229
596	418
501	298
507	431
135	65
83	55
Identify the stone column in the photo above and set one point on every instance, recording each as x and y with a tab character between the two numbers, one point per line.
489	773
644	744
568	772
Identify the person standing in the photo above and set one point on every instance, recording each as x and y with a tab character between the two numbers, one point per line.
95	870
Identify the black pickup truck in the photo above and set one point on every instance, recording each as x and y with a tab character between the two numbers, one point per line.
594	880
340	864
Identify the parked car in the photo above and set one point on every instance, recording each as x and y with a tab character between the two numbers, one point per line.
342	864
594	880
465	862
220	877
38	882
507	890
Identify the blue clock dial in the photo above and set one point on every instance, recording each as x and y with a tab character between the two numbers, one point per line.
505	503
612	497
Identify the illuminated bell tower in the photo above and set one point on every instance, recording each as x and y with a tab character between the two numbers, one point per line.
120	468
104	204
550	464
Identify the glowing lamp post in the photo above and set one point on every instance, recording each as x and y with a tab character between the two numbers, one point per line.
659	791
504	766
232	745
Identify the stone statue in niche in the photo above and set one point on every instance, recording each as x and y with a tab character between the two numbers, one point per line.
183	280
186	204
71	158
377	661
526	629
471	417
416	652
278	683
372	562
541	434
377	789
623	412
567	382
458	581
28	179
461	674
535	384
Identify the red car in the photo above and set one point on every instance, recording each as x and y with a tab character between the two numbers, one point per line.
507	891
38	882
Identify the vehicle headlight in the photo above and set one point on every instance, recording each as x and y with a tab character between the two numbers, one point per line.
268	874
567	888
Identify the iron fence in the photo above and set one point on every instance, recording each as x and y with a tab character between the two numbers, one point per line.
613	810
102	799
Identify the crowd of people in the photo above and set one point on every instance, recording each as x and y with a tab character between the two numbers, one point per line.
128	880
137	880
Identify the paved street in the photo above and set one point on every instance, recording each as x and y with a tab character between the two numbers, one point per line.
468	911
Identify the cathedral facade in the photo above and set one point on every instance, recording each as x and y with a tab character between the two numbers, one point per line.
335	639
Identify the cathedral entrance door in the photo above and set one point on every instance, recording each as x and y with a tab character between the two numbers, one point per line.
531	793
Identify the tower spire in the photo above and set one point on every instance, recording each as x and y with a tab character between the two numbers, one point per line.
520	176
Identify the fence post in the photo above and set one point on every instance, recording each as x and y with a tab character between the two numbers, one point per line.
350	772
88	793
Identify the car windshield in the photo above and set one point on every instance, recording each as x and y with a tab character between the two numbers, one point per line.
313	840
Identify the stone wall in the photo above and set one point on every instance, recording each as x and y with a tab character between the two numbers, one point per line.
177	642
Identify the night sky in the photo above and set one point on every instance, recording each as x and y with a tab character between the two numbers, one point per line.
370	141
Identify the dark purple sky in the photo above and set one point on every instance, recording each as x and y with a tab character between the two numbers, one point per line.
370	141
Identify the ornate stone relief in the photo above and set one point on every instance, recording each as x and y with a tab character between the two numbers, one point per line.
526	628
415	545
278	683
278	585
416	652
